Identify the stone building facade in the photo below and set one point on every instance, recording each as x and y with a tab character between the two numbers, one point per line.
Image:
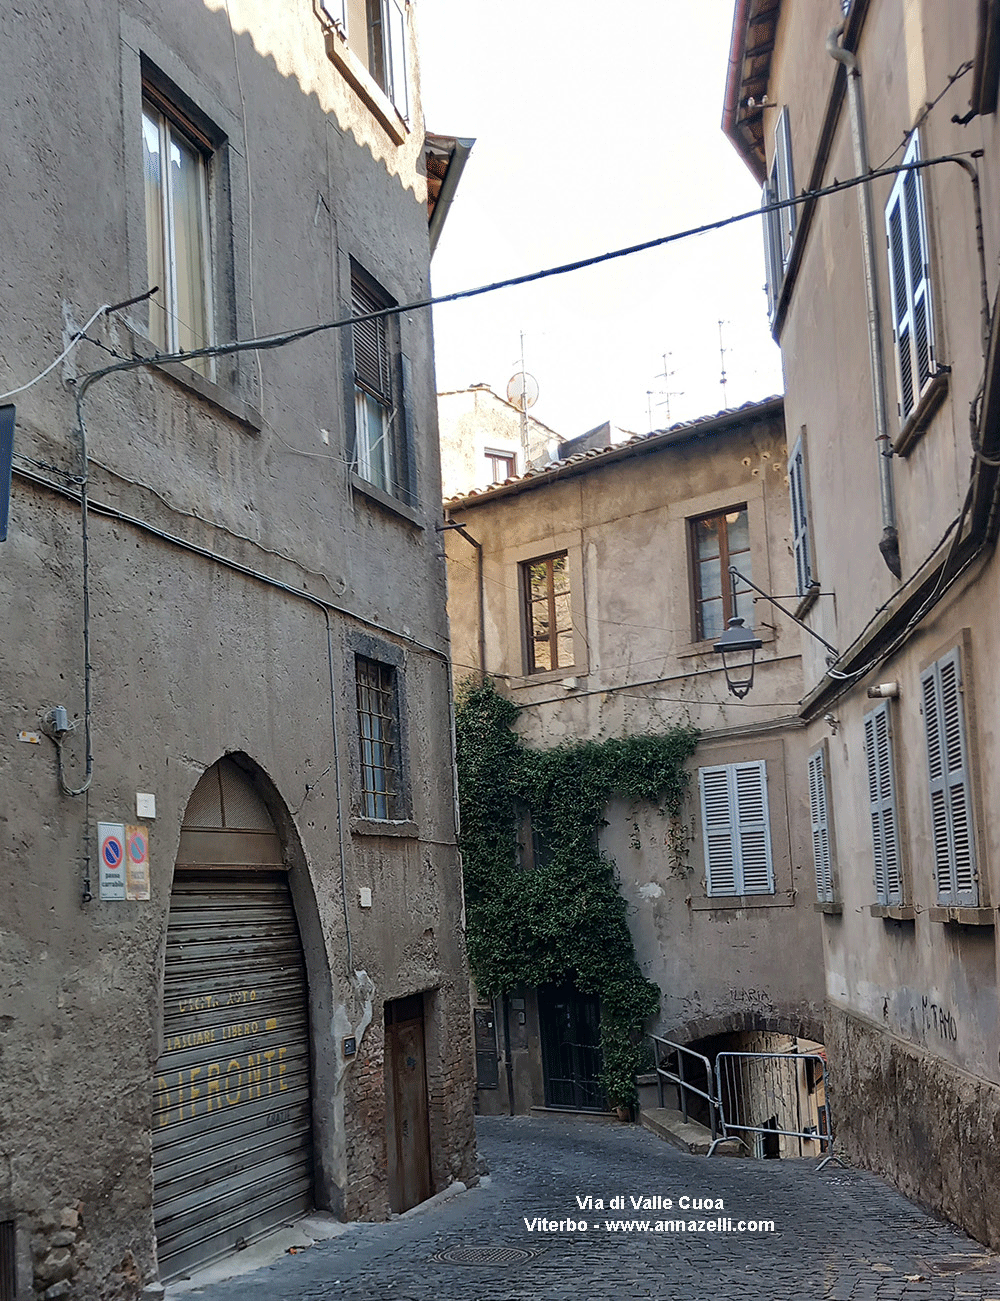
883	299
233	977
630	538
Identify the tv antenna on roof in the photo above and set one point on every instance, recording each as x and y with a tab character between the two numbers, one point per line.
522	392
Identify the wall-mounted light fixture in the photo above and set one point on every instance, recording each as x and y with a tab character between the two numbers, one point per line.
738	641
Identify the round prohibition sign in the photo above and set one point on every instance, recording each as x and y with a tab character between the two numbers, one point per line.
112	852
137	847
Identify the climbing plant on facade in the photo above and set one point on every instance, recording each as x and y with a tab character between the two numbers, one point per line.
565	920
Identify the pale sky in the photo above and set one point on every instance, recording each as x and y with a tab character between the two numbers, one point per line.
596	126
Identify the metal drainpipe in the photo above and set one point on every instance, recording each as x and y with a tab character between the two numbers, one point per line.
889	542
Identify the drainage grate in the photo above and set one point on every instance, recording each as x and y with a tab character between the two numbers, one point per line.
483	1256
8	1261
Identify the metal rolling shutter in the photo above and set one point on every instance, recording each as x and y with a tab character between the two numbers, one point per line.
232	1135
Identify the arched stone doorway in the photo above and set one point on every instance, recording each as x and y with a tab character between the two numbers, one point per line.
232	1114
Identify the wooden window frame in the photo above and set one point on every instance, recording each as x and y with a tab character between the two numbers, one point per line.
510	458
906	232
526	607
724	563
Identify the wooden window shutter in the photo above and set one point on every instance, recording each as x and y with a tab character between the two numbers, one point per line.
948	777
909	283
395	18
820	821
718	830
750	782
772	255
800	519
786	184
882	806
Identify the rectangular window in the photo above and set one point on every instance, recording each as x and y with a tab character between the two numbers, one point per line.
882	805
718	541
175	166
948	775
909	284
819	817
375	31
378	715
779	226
501	466
380	451
547	613
802	550
736	829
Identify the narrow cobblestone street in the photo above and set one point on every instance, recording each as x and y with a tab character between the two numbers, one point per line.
838	1234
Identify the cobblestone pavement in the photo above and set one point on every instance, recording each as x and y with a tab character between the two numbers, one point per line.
839	1234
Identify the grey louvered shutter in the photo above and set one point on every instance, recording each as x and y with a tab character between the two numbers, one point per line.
819	818
882	806
800	519
786	185
718	829
371	352
948	777
750	787
395	19
909	283
772	251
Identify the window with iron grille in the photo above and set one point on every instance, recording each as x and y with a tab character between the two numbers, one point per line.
548	614
718	541
948	774
378	733
736	828
909	284
8	1261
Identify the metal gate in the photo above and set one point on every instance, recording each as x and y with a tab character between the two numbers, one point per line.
570	1025
232	1132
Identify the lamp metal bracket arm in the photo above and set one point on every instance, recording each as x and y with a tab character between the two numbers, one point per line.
784	610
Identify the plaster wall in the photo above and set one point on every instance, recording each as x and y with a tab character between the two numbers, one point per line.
912	999
214	545
624	524
476	420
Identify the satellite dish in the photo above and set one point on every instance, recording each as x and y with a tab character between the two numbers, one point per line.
522	390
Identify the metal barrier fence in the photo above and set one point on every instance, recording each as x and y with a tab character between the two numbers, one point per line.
663	1051
771	1096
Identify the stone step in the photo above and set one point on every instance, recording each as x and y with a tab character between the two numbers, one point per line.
688	1135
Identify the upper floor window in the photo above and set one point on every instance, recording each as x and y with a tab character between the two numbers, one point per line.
948	774
375	31
819	818
883	806
547	613
736	829
178	258
801	545
378	726
718	541
380	449
500	466
909	284
779	224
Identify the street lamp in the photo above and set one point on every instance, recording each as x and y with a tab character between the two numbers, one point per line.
734	645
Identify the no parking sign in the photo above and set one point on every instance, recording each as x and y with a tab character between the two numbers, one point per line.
111	859
136	863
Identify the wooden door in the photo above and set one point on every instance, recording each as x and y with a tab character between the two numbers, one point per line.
408	1138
